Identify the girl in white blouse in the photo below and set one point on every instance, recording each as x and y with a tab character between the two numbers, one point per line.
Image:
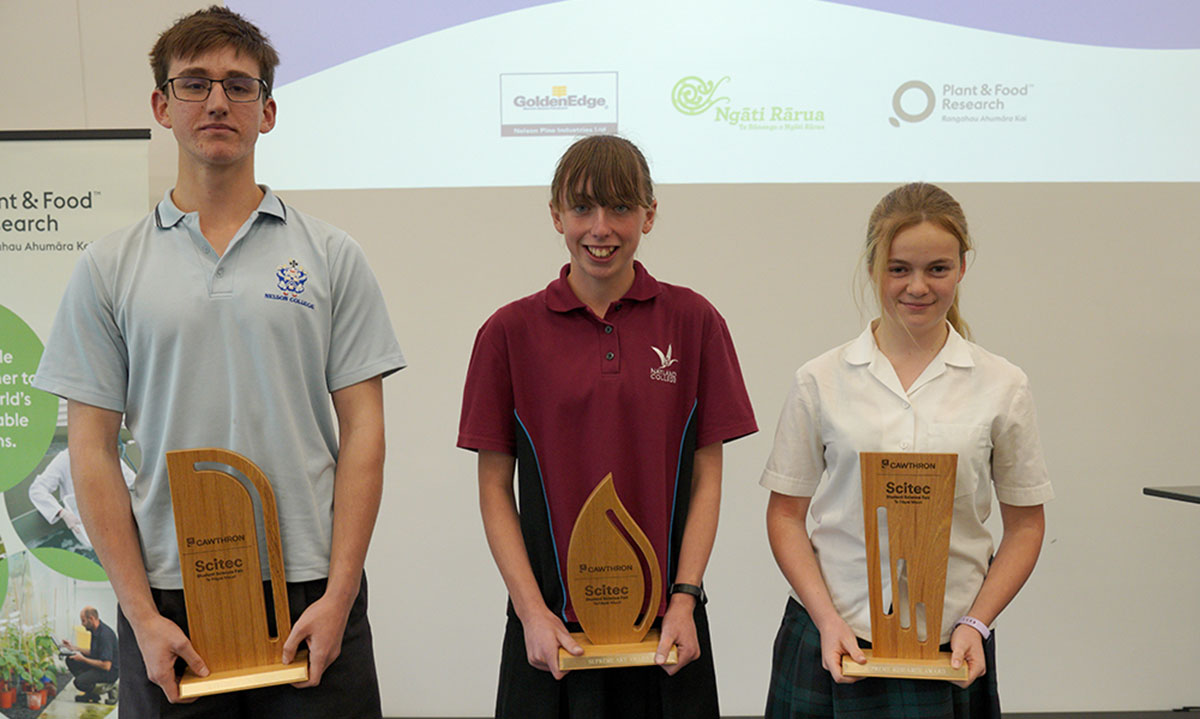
911	382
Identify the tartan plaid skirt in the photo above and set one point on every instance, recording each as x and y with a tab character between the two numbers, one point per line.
801	687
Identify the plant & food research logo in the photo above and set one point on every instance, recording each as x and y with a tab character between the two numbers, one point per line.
992	102
696	96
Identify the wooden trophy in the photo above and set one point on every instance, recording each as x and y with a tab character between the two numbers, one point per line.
222	576
608	562
913	496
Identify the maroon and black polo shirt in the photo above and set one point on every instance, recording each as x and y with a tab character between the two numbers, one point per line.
574	397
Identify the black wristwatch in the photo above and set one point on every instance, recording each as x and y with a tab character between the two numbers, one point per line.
692	589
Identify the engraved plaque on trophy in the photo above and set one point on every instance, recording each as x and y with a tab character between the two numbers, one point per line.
908	500
222	575
615	586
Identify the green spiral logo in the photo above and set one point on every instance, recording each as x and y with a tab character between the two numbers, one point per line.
693	95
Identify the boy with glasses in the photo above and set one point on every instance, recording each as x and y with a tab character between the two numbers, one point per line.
228	319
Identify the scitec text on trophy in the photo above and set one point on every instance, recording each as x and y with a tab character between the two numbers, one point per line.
609	561
222	576
908	501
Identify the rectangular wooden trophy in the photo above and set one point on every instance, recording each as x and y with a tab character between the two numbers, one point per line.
608	560
913	495
222	576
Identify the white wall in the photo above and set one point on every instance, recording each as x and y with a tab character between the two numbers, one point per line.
1091	288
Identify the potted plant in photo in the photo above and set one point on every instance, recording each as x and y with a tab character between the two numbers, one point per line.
12	660
9	666
35	660
47	652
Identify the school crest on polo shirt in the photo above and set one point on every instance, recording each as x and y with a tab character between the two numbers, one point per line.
289	280
663	372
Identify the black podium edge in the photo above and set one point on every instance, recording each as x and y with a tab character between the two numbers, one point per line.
140	133
1182	494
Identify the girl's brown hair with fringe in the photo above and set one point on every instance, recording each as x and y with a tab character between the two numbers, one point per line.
603	170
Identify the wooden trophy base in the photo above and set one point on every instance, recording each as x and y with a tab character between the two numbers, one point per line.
891	668
191	685
600	656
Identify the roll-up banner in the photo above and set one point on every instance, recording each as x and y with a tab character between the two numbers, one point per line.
60	190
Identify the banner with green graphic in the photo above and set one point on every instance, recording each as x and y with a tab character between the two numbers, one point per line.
59	191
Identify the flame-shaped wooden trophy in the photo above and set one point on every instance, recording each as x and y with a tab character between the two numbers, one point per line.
222	576
912	495
608	560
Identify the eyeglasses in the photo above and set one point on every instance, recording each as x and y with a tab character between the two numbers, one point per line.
197	89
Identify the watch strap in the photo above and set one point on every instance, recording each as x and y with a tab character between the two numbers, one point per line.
975	624
692	589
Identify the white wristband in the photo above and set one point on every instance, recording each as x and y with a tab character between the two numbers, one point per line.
975	624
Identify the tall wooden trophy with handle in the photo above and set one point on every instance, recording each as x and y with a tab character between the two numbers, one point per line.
908	501
222	576
615	586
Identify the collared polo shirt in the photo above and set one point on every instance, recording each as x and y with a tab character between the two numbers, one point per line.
575	397
849	400
239	352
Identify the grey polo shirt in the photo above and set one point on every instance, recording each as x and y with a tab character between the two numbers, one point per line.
240	352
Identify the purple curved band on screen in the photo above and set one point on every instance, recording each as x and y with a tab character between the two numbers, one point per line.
1135	24
314	35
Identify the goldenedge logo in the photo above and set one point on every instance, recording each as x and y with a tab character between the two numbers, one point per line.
550	102
543	104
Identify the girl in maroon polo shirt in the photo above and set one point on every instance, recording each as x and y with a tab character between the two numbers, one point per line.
605	370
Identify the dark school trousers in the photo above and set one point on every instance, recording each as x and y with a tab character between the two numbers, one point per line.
349	687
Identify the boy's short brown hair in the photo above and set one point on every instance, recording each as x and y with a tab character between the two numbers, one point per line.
213	28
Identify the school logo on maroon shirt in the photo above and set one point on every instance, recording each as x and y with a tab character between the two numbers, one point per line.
290	278
662	373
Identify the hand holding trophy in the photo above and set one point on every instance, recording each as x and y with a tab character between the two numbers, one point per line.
222	578
908	499
615	586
